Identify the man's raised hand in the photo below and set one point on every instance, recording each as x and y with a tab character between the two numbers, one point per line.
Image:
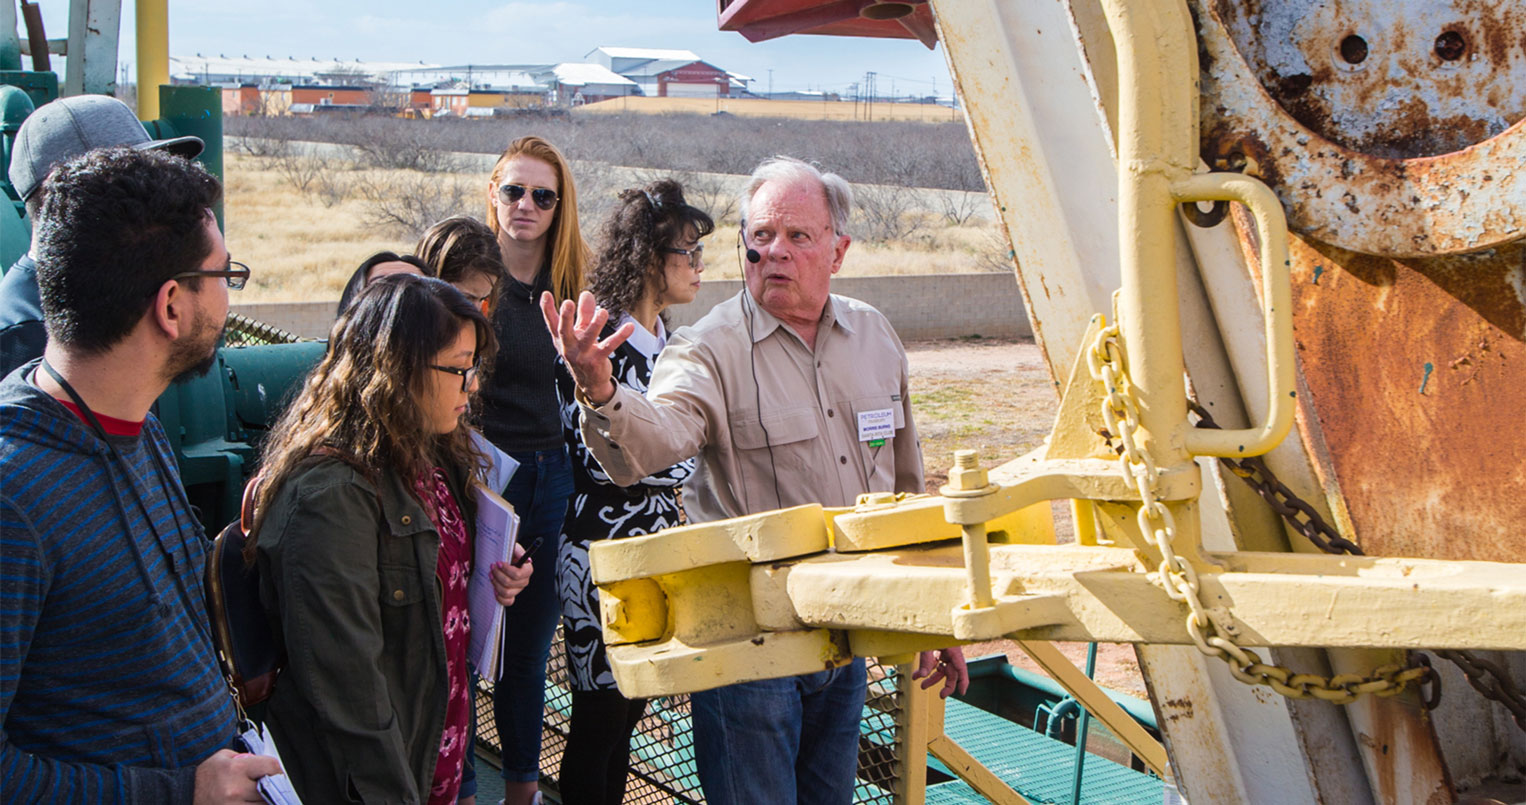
575	332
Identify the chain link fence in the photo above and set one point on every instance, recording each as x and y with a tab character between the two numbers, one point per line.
242	331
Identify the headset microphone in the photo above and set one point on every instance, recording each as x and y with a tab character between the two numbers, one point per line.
753	256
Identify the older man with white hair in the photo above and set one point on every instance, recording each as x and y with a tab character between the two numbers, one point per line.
789	395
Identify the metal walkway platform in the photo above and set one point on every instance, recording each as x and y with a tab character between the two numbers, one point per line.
1039	768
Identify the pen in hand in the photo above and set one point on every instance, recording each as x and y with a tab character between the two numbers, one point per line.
529	549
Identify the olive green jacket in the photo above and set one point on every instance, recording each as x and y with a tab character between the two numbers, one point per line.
347	573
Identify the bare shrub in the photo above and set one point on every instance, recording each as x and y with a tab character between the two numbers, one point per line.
383	144
887	212
996	253
301	165
934	155
332	187
262	137
405	203
716	194
959	207
599	187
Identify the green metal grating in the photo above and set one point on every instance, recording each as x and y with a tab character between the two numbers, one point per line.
662	751
1039	768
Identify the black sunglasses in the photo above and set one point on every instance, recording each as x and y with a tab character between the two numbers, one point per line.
467	375
544	197
236	274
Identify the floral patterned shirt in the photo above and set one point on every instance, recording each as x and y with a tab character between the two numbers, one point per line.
453	569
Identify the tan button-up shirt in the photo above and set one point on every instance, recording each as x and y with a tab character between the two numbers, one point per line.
835	422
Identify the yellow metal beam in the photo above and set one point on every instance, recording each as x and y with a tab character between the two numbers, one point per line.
758	538
708	631
153	36
1099	704
912	737
1277	599
670	667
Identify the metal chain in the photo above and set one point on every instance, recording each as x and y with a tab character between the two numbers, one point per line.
1486	677
1210	631
1490	680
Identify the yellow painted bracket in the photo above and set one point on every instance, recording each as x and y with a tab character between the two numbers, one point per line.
671	667
919	519
761	537
1276	308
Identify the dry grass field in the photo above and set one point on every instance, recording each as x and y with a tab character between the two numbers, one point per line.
303	245
298	250
800	110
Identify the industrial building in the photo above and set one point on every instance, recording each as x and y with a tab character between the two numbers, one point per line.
278	86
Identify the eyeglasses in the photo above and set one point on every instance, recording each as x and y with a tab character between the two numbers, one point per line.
236	274
696	255
467	375
544	197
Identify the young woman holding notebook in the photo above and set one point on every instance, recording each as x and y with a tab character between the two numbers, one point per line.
364	537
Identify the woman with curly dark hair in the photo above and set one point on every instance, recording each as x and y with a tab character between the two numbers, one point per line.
650	257
363	537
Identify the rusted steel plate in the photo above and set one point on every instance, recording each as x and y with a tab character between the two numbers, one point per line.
1389	78
760	20
1404	152
1416	374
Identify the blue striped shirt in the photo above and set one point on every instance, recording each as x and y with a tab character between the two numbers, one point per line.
109	687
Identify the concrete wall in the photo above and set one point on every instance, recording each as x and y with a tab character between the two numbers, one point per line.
918	306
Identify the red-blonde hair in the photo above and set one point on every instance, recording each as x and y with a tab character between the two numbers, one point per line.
569	252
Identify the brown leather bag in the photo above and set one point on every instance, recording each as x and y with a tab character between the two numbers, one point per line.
247	649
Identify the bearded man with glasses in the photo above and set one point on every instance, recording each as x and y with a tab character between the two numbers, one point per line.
109	685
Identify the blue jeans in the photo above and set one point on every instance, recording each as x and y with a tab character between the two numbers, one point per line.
791	740
538	491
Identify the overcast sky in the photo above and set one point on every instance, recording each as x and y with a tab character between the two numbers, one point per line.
524	31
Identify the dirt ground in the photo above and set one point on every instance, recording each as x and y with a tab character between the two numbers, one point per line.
996	396
985	394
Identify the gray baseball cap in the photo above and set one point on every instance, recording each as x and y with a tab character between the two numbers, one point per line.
69	127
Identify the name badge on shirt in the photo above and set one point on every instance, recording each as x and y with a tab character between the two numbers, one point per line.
875	427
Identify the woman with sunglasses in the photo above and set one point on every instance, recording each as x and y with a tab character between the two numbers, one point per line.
363	536
532	211
649	258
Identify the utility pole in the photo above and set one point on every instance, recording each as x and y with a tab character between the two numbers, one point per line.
770	83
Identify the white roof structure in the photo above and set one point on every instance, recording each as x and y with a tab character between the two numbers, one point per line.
644	53
577	74
221	69
480	76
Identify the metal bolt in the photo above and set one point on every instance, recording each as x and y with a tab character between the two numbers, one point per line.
967	474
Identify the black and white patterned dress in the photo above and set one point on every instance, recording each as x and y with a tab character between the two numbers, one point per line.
600	510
